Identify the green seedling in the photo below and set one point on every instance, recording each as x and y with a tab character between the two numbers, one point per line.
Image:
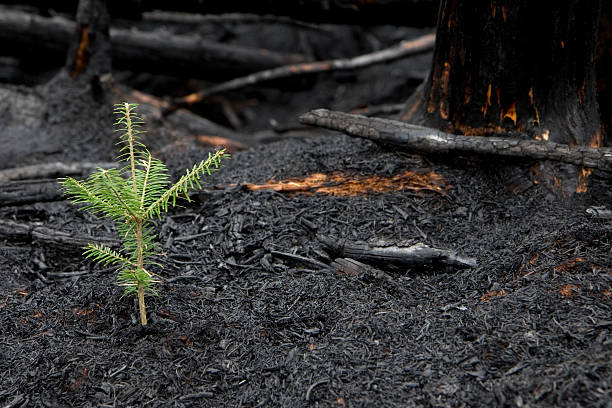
131	197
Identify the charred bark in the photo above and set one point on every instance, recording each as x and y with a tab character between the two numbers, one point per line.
516	68
397	255
404	49
430	140
35	232
51	170
28	192
90	54
403	12
27	35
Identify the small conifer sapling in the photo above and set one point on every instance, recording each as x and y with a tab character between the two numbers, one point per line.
131	197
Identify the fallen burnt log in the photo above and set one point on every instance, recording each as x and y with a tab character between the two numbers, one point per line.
19	231
31	36
430	140
402	12
379	253
51	170
404	49
29	192
351	267
38	183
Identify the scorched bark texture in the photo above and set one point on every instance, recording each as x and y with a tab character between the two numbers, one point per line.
27	34
429	140
513	67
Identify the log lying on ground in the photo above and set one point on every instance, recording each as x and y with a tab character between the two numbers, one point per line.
429	140
29	192
404	49
37	183
351	267
30	35
20	231
177	17
403	12
418	254
52	170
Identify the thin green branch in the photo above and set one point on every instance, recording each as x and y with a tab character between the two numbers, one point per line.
144	184
130	138
117	195
185	183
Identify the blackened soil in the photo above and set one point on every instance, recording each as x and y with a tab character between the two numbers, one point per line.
236	325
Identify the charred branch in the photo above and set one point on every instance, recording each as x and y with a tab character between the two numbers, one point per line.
33	232
51	170
37	183
403	12
29	191
397	255
351	267
405	48
174	17
412	12
427	140
27	35
183	123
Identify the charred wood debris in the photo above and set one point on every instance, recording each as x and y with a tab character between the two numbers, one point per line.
174	50
465	291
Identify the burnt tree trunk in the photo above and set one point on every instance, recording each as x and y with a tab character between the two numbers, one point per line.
522	67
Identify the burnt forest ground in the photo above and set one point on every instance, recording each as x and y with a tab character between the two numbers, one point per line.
238	323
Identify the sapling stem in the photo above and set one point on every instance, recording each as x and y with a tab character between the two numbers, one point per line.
141	305
131	197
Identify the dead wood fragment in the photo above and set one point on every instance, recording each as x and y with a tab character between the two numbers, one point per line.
599	212
29	191
351	267
418	254
37	183
300	259
159	52
430	140
183	123
405	48
14	230
406	13
51	170
346	185
178	17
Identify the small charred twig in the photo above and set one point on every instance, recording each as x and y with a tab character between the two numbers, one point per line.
404	49
233	18
599	212
418	254
300	259
350	266
313	386
429	140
